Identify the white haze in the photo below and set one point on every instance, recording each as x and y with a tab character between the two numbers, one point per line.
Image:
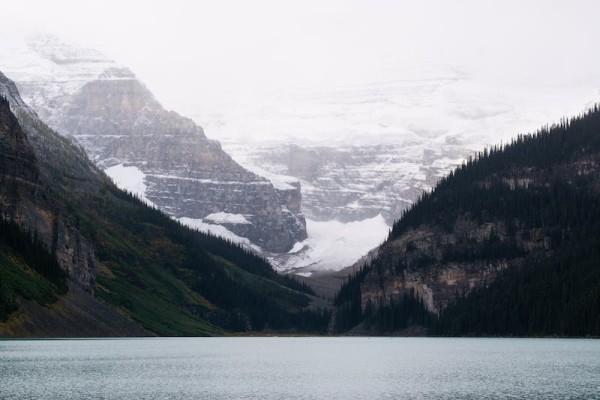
273	69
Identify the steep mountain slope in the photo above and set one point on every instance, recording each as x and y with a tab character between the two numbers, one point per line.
506	244
122	268
163	157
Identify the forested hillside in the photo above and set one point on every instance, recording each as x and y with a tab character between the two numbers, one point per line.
507	244
79	257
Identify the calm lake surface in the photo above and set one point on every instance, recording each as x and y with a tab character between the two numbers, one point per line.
300	368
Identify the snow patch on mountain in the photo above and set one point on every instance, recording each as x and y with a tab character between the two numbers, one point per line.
279	180
227	218
219	231
129	178
297	247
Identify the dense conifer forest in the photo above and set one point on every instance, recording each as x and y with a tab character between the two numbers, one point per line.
553	292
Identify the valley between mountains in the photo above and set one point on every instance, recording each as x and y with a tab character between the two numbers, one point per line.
307	208
122	218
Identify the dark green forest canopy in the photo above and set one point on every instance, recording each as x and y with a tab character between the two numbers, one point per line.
552	293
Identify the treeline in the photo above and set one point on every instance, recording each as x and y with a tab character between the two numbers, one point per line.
397	314
348	301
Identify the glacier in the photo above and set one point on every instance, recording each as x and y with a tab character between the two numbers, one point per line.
332	245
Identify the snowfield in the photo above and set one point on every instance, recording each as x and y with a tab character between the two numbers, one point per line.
227	218
218	230
130	179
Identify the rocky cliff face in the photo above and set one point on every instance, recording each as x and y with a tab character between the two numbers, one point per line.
349	191
356	182
119	123
417	263
441	264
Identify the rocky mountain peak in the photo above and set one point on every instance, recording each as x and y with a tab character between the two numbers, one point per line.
159	155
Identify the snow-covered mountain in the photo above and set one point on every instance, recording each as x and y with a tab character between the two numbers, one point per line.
364	152
160	155
351	194
350	157
352	182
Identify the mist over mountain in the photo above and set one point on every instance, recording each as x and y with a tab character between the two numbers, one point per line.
316	199
343	161
160	156
365	152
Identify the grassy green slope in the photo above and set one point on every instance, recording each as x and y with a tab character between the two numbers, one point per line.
18	280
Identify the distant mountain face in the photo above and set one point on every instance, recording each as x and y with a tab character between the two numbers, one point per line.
352	183
361	149
363	153
79	257
371	145
159	155
352	193
507	244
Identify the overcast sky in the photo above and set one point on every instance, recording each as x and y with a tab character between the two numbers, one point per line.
200	56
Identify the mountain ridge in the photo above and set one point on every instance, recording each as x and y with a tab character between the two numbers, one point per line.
118	121
502	246
127	262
